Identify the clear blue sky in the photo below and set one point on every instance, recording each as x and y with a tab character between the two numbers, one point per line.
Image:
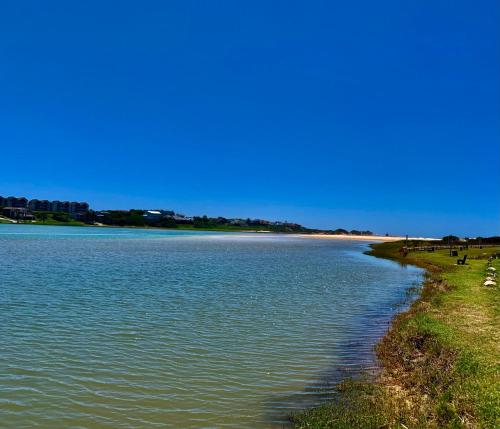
381	115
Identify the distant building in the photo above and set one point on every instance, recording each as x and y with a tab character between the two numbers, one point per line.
179	218
19	202
152	214
39	205
70	207
237	222
59	206
78	208
73	208
19	213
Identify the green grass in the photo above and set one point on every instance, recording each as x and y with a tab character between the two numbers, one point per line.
49	220
440	360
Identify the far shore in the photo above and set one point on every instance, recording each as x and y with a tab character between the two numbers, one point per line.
382	238
372	238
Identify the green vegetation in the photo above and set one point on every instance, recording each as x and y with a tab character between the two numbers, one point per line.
49	218
440	360
67	213
136	219
226	228
168	219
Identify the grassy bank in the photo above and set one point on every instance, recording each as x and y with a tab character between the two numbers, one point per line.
50	219
440	361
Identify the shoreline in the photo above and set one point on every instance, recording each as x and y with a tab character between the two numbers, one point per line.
373	238
84	225
438	361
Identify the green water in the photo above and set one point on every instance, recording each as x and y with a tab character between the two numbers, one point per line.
121	328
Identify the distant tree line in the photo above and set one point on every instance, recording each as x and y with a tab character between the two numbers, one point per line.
169	219
453	239
341	231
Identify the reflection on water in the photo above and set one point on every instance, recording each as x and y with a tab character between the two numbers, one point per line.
124	328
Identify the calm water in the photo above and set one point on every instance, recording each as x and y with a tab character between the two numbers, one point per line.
120	328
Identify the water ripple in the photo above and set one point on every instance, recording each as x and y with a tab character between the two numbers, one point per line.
142	329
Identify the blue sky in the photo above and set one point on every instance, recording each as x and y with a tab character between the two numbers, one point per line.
375	115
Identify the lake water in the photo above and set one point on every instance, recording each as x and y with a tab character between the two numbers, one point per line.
127	328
